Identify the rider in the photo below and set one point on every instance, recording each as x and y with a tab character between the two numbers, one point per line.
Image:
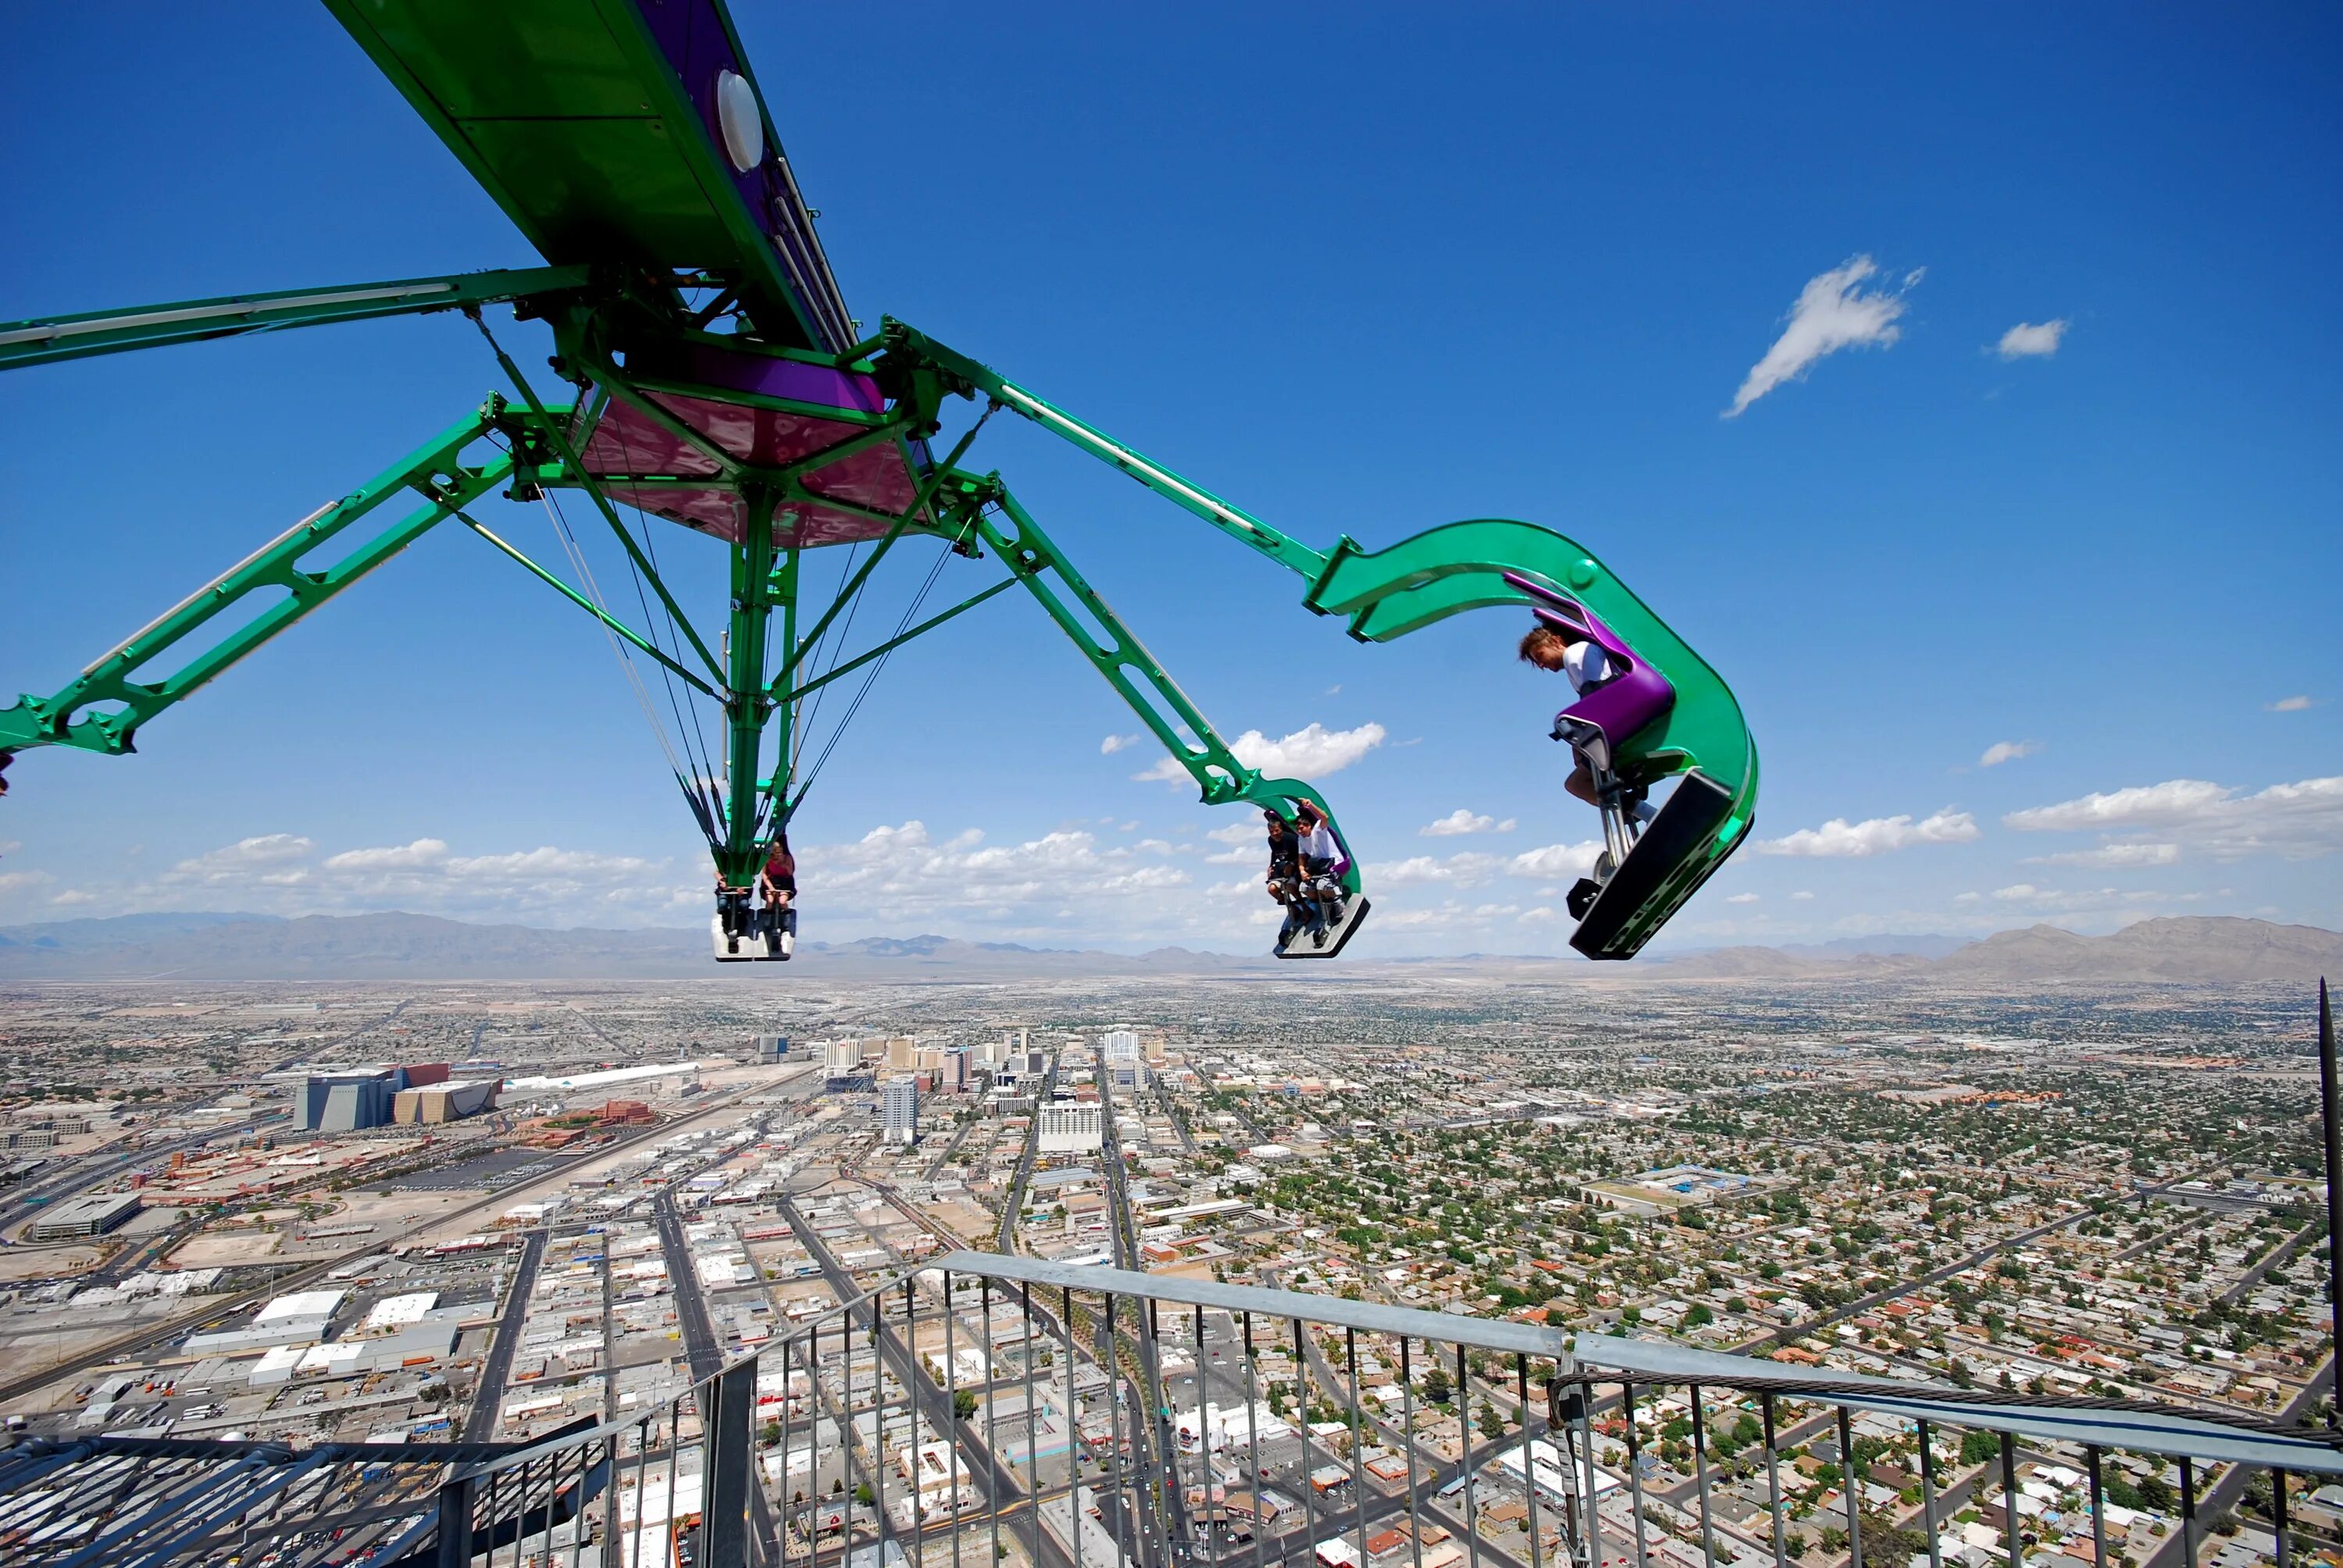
1319	851
777	884
1583	660
1284	876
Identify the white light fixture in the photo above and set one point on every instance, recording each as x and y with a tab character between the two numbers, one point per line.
737	117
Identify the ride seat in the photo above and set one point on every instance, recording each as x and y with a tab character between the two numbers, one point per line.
1605	718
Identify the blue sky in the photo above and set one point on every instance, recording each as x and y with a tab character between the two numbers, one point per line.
1361	273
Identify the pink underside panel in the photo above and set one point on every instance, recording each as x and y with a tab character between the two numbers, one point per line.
625	443
718	512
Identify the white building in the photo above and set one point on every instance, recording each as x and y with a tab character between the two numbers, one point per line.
1120	1045
900	1106
1071	1127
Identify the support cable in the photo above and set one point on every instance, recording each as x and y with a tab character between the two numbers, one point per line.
627	664
877	669
703	773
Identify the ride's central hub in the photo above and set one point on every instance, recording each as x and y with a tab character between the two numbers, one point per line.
689	425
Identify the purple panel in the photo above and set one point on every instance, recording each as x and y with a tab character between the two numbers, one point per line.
719	512
759	374
692	35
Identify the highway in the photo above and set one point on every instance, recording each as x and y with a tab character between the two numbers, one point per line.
496	1369
699	1347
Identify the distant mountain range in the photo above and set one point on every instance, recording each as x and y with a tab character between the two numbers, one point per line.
2196	950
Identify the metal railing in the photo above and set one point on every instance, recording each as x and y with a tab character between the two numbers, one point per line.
989	1406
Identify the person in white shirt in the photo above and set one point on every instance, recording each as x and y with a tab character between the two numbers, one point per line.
1318	852
1583	661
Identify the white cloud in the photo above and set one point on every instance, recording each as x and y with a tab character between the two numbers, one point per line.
2002	751
1114	743
1831	312
1802	896
1840	839
13	881
72	896
1310	753
2129	853
1463	820
1557	860
2030	340
1743	898
2298	821
10	845
397	858
267	855
2283	705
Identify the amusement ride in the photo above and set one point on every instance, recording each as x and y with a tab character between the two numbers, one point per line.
710	376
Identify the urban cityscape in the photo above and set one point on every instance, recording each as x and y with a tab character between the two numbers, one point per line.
316	1215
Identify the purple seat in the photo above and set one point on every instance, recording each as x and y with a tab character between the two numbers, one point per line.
1623	705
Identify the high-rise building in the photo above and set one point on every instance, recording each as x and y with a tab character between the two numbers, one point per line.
768	1047
898	1107
1120	1045
844	1057
1071	1127
901	1054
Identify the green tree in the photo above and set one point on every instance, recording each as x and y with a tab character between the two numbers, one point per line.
963	1405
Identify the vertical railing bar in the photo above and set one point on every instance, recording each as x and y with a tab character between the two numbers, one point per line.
2009	1498
1204	1439
1407	1433
1928	1496
1178	1543
1465	1448
2099	1512
1033	1433
1253	1445
1700	1471
1774	1480
674	1450
2283	1545
488	1504
992	1459
1301	1425
952	1409
1159	1439
847	1457
1593	1475
789	1504
878	1306
2188	1512
1358	1437
1854	1490
911	1403
1125	1514
1074	1429
1529	1454
642	1463
1635	1479
578	1515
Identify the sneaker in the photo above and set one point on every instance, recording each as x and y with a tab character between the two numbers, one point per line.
1604	867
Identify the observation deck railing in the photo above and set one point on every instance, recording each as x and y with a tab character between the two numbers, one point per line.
1087	1417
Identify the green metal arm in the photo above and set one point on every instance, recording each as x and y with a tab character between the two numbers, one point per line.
974	377
52	338
436	471
1035	561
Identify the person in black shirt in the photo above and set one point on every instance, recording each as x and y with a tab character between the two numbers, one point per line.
778	885
1284	876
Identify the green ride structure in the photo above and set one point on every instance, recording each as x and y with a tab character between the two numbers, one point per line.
710	375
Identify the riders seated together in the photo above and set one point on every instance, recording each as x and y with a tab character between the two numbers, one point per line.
1583	661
